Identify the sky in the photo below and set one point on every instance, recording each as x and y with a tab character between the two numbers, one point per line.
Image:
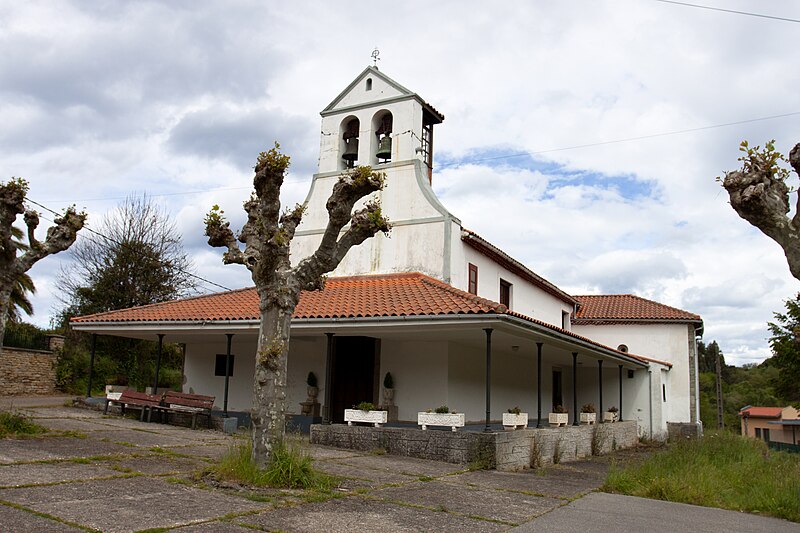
581	137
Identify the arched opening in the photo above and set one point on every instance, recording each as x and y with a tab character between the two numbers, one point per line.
369	84
349	142
382	126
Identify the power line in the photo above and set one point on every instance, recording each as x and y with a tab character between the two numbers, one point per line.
711	8
90	230
616	141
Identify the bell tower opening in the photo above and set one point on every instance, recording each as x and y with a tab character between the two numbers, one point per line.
349	147
382	125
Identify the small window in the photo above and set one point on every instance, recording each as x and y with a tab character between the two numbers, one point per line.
219	367
758	433
622	348
766	434
473	279
630	374
664	392
369	84
505	293
564	320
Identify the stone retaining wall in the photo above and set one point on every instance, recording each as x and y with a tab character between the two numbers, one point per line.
507	450
27	372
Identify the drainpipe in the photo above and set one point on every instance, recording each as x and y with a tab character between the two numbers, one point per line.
539	384
488	331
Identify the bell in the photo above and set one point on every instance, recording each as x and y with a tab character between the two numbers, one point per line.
385	148
351	151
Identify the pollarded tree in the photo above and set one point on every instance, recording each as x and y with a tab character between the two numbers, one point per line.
59	237
760	195
267	236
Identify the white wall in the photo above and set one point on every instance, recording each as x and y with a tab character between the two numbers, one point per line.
665	342
199	375
420	371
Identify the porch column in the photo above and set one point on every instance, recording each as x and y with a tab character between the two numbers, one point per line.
158	362
539	384
326	410
600	379
620	393
488	331
575	416
91	366
227	373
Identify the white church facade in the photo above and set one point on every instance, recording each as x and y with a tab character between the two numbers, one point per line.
453	318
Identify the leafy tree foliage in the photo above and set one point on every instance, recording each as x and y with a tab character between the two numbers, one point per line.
136	257
785	343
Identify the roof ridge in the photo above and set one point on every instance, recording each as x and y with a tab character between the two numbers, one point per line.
694	316
496	307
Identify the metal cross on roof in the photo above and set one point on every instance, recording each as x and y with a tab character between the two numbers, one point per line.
375	57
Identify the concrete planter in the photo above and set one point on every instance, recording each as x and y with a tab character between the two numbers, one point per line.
512	421
558	419
609	416
369	417
451	420
588	418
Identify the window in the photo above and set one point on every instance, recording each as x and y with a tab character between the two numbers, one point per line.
505	293
564	320
758	433
219	366
664	392
350	142
766	434
473	279
369	84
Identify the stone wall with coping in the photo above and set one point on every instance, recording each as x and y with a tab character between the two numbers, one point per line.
507	451
27	372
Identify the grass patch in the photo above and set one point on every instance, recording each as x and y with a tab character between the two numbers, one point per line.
719	470
15	425
290	468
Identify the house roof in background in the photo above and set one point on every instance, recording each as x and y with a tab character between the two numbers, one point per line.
621	308
761	412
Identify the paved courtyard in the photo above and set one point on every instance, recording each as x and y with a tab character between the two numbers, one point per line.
112	474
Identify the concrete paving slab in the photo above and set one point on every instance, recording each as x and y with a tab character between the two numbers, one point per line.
61	412
158	464
18	521
209	451
39	473
357	477
128	504
404	465
321	453
15	451
213	527
556	482
350	514
601	512
509	507
71	424
144	439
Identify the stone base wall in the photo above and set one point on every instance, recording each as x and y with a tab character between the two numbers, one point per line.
683	430
508	450
27	372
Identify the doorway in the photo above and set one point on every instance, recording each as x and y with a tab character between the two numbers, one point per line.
557	389
354	376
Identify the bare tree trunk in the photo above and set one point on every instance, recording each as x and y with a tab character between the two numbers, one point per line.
5	302
269	383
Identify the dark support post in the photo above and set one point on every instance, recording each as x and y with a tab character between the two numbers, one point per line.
600	378
575	416
227	373
539	384
158	362
488	331
620	393
326	410
91	366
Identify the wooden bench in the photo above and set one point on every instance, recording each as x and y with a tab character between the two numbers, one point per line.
193	404
136	400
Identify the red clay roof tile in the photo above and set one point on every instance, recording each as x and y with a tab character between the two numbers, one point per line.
606	308
762	412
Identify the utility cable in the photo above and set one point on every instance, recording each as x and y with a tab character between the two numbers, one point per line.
728	10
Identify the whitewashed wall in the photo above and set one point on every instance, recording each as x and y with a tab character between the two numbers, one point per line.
199	375
419	370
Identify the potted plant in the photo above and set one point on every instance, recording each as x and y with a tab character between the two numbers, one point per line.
441	416
312	389
388	389
588	414
366	412
515	418
611	414
559	417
